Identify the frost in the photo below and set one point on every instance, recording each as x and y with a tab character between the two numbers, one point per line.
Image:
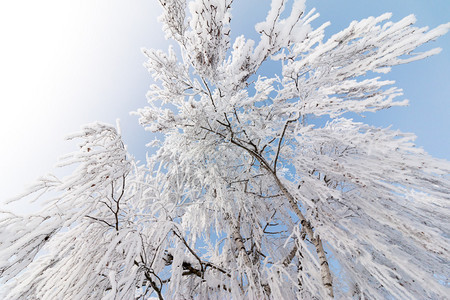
245	197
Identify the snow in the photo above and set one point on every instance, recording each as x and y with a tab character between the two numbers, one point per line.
244	192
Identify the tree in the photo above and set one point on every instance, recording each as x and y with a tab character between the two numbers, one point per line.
248	195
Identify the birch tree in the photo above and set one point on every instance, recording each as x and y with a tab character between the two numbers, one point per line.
248	196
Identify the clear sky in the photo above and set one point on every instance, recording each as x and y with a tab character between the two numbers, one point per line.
64	63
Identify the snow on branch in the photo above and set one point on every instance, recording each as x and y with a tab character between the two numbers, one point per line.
247	196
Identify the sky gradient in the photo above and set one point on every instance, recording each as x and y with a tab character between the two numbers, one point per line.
65	63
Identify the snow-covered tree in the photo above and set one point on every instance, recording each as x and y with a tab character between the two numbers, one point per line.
250	194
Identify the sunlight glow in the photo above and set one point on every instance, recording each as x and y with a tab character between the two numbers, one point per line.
62	62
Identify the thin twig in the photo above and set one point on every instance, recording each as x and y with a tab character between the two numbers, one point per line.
99	220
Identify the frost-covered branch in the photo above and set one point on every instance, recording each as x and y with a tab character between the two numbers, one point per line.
247	197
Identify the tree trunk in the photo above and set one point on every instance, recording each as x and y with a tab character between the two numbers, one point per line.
325	273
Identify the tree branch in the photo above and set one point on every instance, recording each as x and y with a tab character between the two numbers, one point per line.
192	251
279	145
209	94
99	220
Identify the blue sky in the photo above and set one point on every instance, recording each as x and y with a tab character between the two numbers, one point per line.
65	63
